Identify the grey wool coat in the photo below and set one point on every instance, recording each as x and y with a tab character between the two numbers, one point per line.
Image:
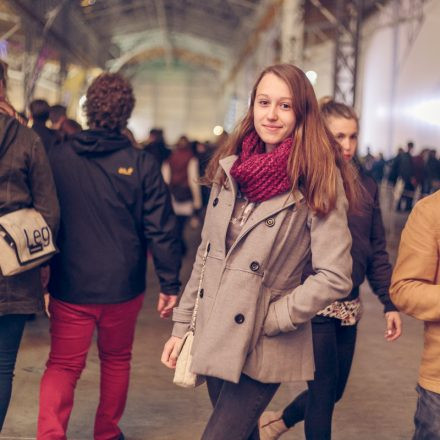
254	313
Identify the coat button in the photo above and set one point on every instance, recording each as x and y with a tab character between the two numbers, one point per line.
270	222
209	247
239	319
255	266
201	293
215	202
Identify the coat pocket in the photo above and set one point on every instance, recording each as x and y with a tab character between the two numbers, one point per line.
277	319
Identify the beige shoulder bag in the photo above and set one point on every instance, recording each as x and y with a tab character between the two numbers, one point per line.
183	376
25	241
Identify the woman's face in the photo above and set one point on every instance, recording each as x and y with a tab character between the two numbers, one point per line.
345	132
274	118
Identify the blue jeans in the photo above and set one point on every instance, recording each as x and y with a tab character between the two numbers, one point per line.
237	408
11	331
427	416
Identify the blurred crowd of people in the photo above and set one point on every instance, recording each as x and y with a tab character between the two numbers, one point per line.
412	176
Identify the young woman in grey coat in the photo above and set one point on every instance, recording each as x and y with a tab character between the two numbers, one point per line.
273	208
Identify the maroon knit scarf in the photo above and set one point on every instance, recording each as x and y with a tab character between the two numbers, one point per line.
262	175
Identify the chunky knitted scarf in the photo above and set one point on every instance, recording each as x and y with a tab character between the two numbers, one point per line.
262	175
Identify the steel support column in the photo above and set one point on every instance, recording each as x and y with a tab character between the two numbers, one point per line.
349	16
292	32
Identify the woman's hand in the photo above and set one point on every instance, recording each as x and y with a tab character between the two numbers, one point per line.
170	351
394	326
45	277
46	304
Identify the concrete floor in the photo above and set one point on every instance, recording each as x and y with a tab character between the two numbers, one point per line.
378	404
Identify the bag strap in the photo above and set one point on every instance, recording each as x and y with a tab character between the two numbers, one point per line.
192	326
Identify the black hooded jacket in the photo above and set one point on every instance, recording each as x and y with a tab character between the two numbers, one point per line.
114	204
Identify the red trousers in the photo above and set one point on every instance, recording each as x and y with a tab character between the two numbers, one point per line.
72	327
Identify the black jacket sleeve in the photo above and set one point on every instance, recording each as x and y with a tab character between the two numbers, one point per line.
379	268
159	225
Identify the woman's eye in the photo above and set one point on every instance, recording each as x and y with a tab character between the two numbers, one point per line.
263	102
340	137
285	106
354	136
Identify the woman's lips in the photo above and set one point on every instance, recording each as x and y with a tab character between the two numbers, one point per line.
271	127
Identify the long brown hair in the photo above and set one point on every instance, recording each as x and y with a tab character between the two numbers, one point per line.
315	157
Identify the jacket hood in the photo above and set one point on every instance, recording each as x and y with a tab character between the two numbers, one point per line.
8	131
99	141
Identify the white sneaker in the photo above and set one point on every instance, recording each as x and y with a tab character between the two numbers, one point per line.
271	425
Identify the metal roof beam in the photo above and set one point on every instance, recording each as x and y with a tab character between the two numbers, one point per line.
89	50
162	19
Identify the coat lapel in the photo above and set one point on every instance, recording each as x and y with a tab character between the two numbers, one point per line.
226	163
229	200
262	211
267	209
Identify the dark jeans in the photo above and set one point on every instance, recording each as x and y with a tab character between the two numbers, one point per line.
11	331
406	197
427	418
333	346
237	408
180	230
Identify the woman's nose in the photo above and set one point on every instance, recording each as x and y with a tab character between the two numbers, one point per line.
272	112
345	144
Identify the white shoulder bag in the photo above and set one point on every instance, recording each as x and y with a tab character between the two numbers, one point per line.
183	376
25	241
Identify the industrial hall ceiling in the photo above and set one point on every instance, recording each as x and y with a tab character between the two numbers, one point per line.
128	34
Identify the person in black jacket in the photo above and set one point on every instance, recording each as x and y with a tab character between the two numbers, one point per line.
39	109
114	204
334	328
25	182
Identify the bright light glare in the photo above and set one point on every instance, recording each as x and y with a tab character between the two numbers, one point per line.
82	101
312	76
218	130
426	111
381	111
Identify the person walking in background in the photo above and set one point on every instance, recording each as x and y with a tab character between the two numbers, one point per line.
39	109
113	203
432	173
57	116
334	328
378	170
26	182
368	162
407	174
156	145
394	164
415	290
181	173
273	207
203	151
